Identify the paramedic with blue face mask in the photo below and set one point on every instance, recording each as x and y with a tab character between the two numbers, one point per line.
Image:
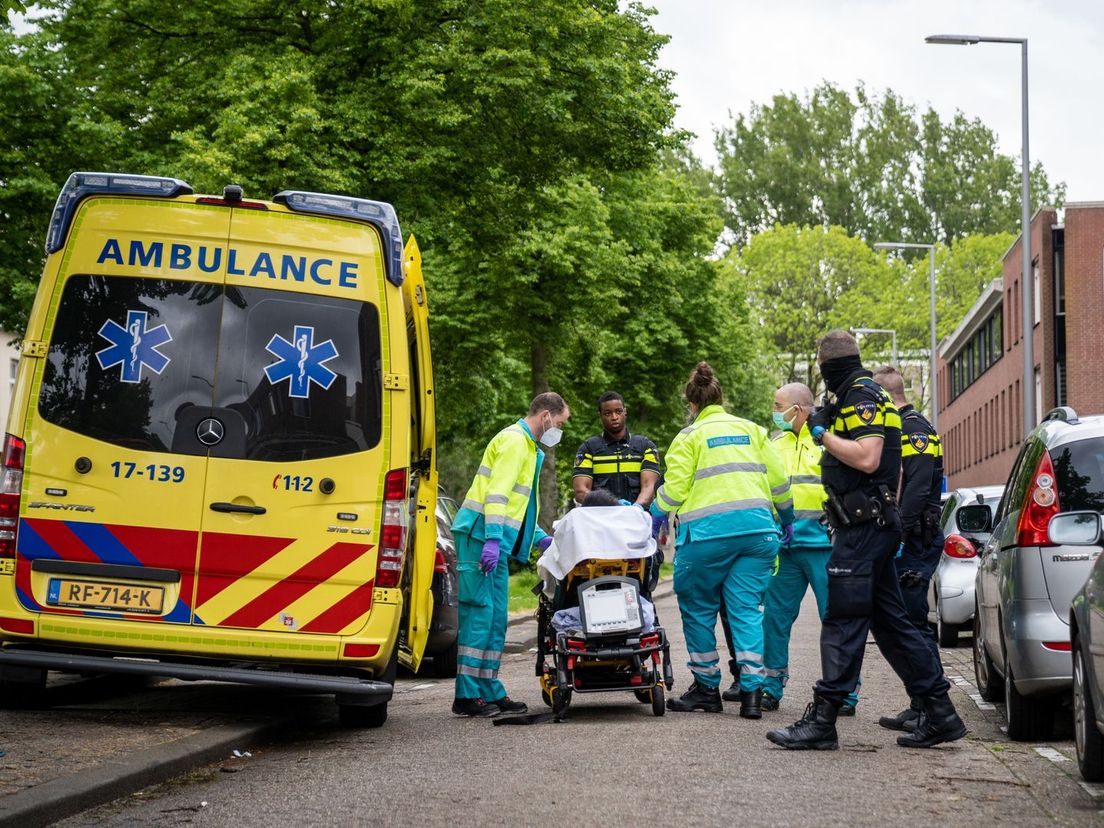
725	486
498	520
803	563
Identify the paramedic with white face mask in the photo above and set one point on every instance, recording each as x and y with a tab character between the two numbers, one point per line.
498	520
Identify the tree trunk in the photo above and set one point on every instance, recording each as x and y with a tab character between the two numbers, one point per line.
549	493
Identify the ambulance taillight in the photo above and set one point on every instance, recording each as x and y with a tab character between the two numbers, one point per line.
389	557
11	483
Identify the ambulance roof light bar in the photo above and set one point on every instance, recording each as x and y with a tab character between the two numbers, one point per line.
83	184
380	214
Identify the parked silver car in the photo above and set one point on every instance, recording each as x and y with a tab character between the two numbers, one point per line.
1025	582
951	594
1087	641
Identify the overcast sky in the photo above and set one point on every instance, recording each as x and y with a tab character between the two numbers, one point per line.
728	54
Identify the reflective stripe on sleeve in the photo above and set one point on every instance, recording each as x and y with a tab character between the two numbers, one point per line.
667	501
485	471
497	498
785	504
781	488
808	514
810	479
473	505
522	490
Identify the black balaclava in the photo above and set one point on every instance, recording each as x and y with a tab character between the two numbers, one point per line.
837	371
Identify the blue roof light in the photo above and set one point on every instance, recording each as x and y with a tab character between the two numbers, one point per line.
377	213
83	184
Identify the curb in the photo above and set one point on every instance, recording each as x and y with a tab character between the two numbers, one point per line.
60	798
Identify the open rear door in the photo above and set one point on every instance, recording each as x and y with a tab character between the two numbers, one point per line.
423	459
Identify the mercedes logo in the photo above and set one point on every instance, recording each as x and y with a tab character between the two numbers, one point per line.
210	432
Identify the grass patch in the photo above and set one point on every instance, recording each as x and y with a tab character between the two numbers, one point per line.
522	598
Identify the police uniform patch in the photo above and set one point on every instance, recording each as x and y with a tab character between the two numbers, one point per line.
919	441
866	411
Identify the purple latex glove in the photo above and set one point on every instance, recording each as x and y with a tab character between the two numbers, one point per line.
489	559
658	524
787	536
544	543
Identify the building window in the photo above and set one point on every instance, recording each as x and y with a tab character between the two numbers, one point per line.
1038	397
982	350
1060	282
1037	294
14	370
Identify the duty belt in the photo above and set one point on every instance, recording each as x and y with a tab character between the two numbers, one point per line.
856	508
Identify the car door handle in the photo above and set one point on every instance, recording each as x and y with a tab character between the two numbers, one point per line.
222	506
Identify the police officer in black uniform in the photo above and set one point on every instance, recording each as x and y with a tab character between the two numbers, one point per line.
921	487
860	430
626	465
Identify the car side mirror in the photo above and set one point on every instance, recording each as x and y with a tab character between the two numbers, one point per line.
1074	529
974	518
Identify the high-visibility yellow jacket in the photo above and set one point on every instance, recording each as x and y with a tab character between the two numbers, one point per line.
503	501
724	478
801	460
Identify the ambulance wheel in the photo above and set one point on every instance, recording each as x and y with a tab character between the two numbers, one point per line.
355	715
643	696
658	706
561	700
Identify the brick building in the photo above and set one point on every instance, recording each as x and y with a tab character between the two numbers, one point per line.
980	365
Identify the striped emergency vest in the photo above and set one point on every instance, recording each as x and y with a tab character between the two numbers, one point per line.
503	500
724	478
801	459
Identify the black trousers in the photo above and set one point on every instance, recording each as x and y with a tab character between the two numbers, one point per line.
864	596
919	561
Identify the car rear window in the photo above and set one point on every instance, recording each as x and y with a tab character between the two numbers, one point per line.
130	360
1079	470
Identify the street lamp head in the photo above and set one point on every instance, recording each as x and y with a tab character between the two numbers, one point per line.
953	40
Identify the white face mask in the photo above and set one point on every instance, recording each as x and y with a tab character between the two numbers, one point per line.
551	436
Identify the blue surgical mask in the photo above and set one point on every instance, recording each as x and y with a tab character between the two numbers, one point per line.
780	421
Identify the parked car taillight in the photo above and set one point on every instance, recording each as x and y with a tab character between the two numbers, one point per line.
11	483
440	565
1039	507
956	546
389	556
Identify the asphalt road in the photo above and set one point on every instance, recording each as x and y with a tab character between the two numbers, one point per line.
613	763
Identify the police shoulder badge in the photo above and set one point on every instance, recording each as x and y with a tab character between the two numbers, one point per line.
866	411
919	441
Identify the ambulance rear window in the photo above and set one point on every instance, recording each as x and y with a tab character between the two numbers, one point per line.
141	363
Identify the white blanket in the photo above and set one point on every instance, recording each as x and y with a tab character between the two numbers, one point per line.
618	532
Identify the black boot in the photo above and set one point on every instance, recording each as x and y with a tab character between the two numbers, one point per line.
769	702
903	719
732	694
816	730
751	702
697	698
938	723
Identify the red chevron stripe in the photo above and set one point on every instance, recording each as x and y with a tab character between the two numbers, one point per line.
224	558
296	585
344	612
163	549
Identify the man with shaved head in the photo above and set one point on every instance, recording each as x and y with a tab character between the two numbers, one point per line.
919	499
804	562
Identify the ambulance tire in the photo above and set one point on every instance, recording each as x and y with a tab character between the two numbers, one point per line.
355	715
26	693
444	662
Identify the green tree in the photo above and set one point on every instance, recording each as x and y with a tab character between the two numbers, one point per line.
871	165
803	281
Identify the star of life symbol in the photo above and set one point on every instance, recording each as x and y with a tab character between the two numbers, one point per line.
300	361
133	347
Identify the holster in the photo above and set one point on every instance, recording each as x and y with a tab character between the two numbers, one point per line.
858	507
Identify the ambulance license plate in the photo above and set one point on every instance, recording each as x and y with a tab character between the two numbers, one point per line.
98	595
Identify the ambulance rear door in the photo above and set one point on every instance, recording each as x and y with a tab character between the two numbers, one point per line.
295	476
423	459
113	492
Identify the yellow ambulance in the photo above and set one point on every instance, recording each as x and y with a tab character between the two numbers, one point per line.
220	453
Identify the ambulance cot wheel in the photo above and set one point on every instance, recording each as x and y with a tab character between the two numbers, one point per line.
546	697
643	696
355	715
658	705
561	700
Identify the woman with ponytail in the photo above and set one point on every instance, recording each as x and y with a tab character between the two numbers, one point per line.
727	490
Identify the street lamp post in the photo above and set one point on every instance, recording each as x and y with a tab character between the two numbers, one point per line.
889	331
931	325
1027	310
